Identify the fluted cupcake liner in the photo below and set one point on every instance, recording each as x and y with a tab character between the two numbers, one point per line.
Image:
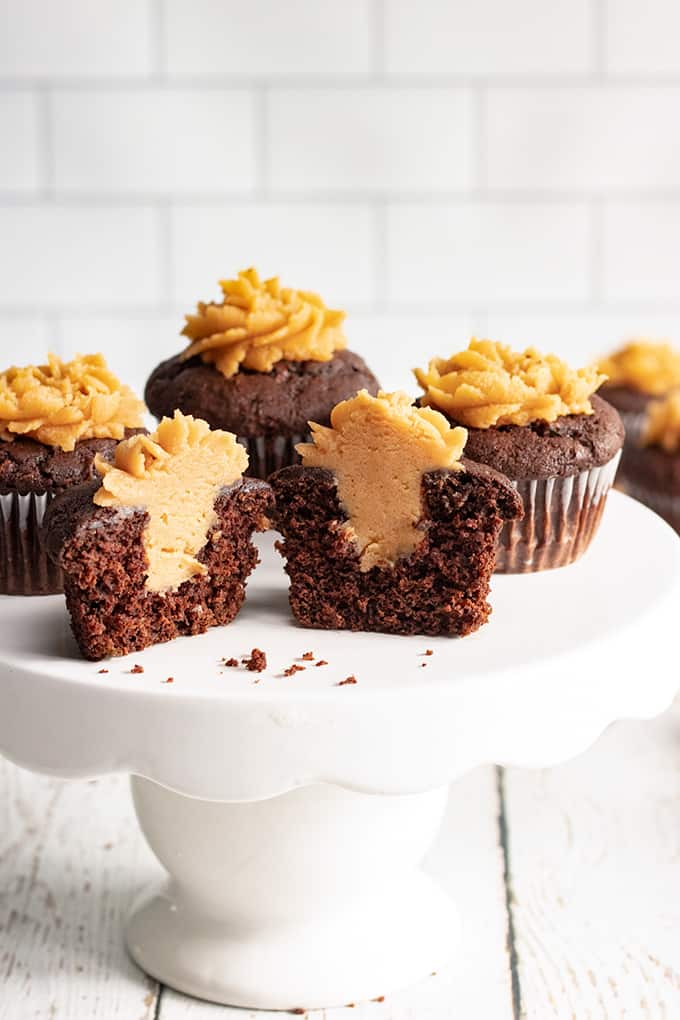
561	516
269	453
25	568
662	503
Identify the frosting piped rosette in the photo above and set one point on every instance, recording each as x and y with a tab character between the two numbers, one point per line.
259	322
490	384
63	402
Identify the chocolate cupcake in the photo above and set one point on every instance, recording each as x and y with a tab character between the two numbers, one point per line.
262	364
641	371
652	465
54	420
535	420
386	527
161	546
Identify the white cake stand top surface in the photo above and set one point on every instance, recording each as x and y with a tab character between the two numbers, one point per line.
566	652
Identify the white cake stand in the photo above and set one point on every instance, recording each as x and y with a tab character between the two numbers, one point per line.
291	813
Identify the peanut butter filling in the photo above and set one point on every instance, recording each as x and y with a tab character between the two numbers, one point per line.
60	403
175	474
490	384
379	448
662	426
259	323
643	365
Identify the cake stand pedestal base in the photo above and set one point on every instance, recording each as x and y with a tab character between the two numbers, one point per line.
313	898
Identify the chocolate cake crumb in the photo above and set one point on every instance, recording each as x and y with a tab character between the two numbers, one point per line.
380	998
231	662
428	651
307	657
348	680
137	668
257	661
423	665
170	680
103	670
295	668
321	662
298	1011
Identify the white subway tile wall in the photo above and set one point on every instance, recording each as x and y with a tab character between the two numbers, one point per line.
438	168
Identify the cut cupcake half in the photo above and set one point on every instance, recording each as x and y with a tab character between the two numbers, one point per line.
161	545
386	526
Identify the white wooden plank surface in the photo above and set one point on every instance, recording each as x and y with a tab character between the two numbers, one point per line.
594	859
594	855
71	862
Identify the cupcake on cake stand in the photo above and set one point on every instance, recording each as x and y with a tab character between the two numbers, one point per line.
291	811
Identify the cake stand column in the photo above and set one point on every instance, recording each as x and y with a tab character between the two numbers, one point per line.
309	899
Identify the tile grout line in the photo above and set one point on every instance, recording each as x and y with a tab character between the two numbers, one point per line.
377	38
599	27
157	40
45	145
261	114
597	252
503	838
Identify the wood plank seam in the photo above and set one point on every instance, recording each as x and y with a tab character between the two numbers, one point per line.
504	841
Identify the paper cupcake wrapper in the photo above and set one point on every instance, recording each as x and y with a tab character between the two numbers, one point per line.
267	454
561	516
661	503
25	568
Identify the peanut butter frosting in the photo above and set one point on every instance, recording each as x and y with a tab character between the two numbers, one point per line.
645	365
662	425
379	448
175	474
491	384
259	322
60	403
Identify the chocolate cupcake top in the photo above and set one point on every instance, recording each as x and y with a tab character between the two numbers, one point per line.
662	424
259	323
378	449
175	475
489	384
566	446
63	403
645	366
529	415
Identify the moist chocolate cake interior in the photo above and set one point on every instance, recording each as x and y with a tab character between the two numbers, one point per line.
102	554
441	588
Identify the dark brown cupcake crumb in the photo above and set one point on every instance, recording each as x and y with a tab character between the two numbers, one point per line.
137	668
257	661
348	680
170	680
321	662
231	662
307	657
103	670
295	668
428	651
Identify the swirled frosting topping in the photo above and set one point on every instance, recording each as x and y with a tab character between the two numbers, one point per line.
259	322
644	365
175	474
379	448
491	384
61	402
662	425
